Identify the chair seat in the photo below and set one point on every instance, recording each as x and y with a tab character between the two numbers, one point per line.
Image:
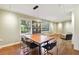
49	46
29	43
33	45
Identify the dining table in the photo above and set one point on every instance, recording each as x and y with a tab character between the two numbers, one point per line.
39	39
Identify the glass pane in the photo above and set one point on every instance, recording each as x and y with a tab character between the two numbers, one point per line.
25	26
45	26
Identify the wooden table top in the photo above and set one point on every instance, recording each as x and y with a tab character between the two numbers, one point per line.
38	38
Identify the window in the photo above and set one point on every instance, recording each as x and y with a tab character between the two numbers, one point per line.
25	26
45	26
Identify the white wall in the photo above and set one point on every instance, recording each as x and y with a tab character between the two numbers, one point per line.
67	27
9	28
59	27
52	27
64	27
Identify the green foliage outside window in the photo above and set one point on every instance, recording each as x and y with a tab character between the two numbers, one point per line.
25	26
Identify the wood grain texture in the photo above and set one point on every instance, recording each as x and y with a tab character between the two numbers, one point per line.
11	50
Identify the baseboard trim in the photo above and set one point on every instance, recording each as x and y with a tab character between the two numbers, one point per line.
11	44
76	50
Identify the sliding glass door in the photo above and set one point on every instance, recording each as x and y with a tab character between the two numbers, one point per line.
34	26
25	26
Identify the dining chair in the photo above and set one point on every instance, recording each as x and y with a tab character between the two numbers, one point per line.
48	47
28	45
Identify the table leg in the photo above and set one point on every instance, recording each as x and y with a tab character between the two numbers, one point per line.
39	49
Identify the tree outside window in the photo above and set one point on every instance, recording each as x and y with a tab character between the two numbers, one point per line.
25	26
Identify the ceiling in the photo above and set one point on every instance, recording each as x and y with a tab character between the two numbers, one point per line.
52	12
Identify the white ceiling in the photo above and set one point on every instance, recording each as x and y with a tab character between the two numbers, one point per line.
52	12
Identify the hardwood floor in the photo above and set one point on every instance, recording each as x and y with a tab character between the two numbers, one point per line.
64	49
67	49
10	50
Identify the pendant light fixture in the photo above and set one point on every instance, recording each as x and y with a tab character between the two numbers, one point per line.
35	7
